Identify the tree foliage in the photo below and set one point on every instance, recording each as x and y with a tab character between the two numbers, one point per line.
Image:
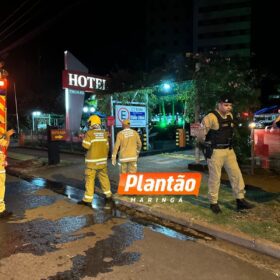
197	83
215	75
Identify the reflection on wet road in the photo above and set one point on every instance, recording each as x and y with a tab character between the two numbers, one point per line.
50	236
39	226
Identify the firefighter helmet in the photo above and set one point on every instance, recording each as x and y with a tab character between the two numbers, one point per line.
94	119
126	122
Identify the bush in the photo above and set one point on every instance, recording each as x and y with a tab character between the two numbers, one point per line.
241	144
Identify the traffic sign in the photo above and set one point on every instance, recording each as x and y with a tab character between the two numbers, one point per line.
58	135
110	120
194	129
136	114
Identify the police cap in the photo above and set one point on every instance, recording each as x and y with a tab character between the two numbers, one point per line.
225	99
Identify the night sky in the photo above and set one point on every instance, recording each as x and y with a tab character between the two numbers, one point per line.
103	35
265	41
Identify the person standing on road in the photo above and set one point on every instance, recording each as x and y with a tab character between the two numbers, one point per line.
4	143
129	143
216	135
97	145
276	122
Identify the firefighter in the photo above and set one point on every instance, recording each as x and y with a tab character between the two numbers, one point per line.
129	143
97	146
3	72
217	128
4	143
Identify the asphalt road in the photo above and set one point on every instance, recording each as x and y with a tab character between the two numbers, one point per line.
51	237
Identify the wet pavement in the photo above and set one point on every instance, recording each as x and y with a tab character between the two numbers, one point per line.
50	236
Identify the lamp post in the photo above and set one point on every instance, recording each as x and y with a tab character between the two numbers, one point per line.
252	126
34	115
165	89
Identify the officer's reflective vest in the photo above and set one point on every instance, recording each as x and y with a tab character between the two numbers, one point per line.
222	136
96	142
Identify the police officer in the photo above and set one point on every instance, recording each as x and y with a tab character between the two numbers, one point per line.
217	127
129	143
4	143
97	146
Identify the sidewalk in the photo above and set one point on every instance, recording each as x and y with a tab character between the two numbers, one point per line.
258	229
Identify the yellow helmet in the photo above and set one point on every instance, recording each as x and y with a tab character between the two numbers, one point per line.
94	119
126	122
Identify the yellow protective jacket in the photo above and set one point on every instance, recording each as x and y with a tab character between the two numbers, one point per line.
129	143
3	146
96	142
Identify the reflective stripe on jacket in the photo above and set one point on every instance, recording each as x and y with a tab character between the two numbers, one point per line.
96	142
3	150
129	143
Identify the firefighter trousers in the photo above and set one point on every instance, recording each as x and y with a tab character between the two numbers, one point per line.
101	173
224	158
128	167
2	190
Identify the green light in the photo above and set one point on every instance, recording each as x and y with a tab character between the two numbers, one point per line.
162	124
180	122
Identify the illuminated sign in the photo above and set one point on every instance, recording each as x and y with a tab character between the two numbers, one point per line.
82	81
58	135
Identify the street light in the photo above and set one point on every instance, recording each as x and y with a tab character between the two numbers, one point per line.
166	87
87	109
252	126
34	115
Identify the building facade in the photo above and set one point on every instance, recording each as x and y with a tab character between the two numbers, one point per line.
224	25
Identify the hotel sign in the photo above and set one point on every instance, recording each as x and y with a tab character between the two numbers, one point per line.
82	81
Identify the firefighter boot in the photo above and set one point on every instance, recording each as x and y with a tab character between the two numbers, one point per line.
85	203
5	214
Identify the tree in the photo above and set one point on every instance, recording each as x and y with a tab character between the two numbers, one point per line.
215	75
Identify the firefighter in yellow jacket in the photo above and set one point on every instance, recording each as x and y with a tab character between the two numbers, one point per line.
97	146
129	143
4	143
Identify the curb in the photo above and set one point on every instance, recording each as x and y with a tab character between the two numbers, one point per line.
81	153
257	244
